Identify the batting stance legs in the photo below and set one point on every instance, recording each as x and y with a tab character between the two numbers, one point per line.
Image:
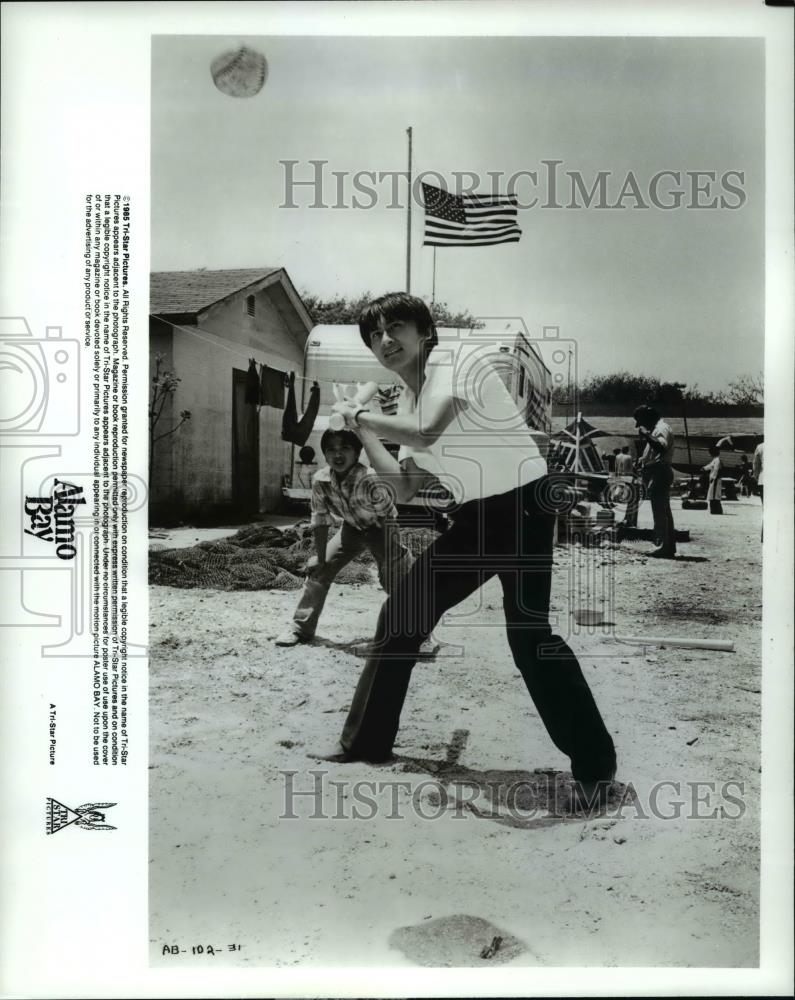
509	535
658	488
391	558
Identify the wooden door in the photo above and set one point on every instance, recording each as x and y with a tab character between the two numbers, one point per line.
245	448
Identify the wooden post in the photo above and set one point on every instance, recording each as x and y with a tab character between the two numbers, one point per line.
687	435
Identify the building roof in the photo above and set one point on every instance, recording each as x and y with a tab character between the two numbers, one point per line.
705	427
703	431
185	292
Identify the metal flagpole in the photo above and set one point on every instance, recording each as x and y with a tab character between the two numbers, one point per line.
568	389
408	219
433	290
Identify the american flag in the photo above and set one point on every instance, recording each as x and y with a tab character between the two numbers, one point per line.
469	220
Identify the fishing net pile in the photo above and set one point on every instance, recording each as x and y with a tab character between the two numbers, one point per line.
261	557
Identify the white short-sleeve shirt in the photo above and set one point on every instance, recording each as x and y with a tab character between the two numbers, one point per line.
663	434
487	449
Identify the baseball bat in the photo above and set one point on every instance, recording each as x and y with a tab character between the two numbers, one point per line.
364	393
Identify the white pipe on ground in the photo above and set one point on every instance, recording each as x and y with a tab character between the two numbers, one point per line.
647	640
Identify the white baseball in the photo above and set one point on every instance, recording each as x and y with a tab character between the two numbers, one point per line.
241	73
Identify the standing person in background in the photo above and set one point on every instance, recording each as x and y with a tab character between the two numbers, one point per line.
457	423
658	475
624	462
745	476
759	470
714	468
632	463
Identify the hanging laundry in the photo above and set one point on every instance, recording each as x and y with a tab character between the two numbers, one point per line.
290	418
307	421
294	430
271	387
252	383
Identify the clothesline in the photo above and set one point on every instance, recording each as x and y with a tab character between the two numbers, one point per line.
241	352
336	381
267	387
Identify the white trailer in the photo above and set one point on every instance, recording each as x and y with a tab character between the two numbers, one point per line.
337	354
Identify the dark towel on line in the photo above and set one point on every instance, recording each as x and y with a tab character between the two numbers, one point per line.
295	430
252	383
271	387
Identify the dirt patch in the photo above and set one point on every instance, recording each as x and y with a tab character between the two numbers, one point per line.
458	941
671	879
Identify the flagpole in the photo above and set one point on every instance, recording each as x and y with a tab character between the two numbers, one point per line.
433	289
408	219
568	389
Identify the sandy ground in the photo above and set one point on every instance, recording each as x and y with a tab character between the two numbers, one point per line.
430	879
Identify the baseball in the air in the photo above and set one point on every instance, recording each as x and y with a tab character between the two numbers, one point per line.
241	73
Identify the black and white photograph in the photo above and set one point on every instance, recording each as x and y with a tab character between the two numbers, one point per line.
456	349
396	556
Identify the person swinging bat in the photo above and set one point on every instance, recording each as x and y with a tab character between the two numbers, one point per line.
458	424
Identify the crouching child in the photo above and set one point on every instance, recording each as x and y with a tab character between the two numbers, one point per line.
349	491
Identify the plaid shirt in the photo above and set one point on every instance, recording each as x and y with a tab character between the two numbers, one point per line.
359	499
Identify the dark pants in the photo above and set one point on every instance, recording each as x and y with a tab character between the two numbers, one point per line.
511	536
633	503
658	488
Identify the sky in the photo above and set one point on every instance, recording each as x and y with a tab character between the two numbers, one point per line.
677	294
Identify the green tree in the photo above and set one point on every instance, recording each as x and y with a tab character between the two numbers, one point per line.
624	389
336	311
443	315
619	388
346	310
747	390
